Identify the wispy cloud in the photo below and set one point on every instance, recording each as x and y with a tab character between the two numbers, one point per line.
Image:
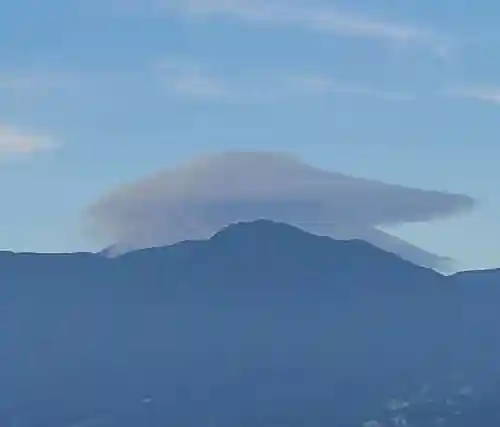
319	84
489	94
14	141
307	16
185	78
190	81
32	81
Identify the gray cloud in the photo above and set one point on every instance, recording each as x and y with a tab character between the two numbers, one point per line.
195	200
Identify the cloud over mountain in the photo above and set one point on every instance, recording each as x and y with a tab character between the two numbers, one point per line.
195	200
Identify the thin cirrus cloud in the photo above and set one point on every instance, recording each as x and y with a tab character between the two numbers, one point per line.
27	80
490	94
187	80
308	16
14	141
195	200
320	84
32	82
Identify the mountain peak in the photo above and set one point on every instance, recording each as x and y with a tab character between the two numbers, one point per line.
261	228
271	245
265	236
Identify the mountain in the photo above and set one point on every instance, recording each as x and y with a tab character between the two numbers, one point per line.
261	324
267	251
484	277
373	235
192	201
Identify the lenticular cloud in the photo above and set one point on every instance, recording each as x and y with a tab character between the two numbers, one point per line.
196	200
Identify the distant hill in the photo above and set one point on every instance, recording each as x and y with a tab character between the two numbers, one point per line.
262	324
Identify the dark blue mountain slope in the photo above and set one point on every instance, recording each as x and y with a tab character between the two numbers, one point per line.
262	324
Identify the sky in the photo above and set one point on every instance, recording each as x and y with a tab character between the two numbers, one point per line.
94	94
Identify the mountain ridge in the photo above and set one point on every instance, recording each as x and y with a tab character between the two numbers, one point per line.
266	229
263	323
287	253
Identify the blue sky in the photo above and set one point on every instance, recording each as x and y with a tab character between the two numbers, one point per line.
97	93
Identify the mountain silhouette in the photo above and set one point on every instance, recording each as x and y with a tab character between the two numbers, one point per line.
484	277
261	324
